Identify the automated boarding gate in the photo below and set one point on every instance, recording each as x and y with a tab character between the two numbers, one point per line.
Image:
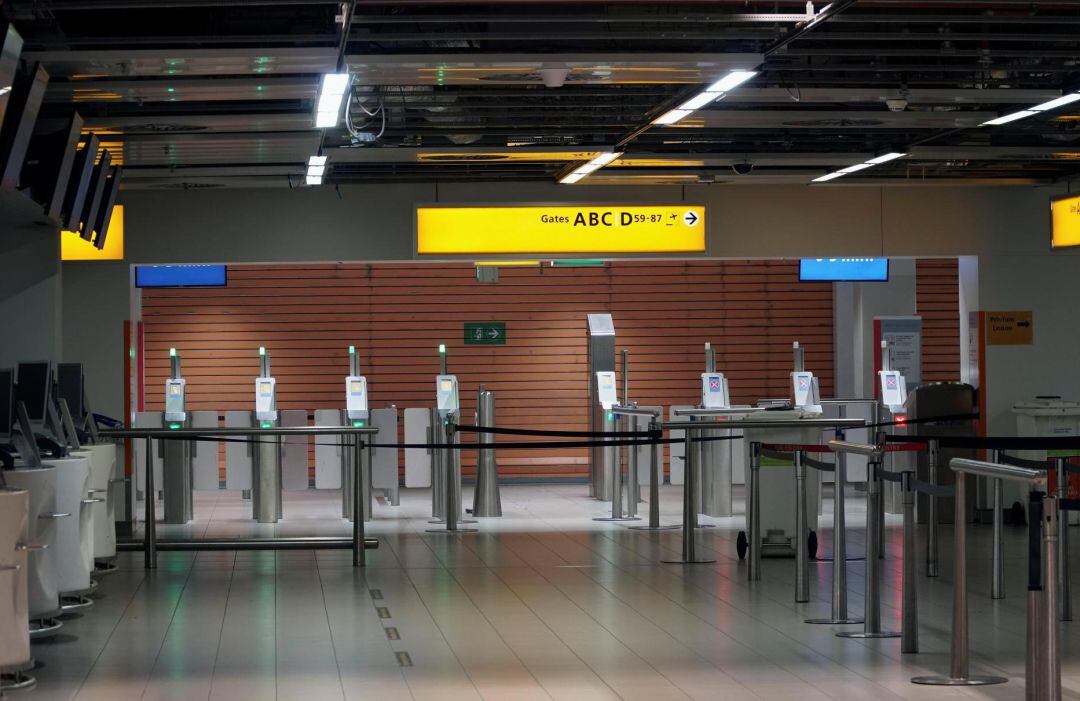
448	410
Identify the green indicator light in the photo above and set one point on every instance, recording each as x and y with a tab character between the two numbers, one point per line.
352	350
258	88
262	350
173	427
172	352
358	424
170	89
266	424
577	263
610	416
446	422
442	348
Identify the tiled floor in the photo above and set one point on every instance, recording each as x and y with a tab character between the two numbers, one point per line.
543	603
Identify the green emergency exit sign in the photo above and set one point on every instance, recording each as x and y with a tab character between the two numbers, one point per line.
485	333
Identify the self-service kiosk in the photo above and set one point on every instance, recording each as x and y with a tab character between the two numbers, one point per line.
601	346
806	394
176	455
266	481
357	415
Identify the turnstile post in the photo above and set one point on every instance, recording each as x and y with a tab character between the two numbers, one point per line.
802	533
1063	582
150	533
909	608
486	500
753	525
689	526
997	581
932	454
359	514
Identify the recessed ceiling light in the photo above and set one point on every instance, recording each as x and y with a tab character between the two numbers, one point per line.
731	81
1054	104
672	116
885	158
1008	118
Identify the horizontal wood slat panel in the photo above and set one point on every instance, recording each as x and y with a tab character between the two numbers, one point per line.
937	299
397	314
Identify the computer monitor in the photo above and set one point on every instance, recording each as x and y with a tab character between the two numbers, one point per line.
69	384
33	382
7	404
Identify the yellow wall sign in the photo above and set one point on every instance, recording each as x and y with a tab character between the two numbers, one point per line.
558	229
1009	329
74	247
1065	221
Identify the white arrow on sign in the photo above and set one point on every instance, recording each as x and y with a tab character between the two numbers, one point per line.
690	218
493	333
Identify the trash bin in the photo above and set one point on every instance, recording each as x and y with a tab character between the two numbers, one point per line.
1050	416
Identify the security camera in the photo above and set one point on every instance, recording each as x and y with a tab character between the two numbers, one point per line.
744	168
896	104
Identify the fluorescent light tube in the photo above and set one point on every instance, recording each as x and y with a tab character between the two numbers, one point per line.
699	101
1054	104
588	168
317	171
885	158
331	92
313	180
604	158
1008	118
829	176
571	178
856	168
317	161
731	81
672	116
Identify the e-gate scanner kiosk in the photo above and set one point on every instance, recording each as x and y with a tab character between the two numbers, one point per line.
716	457
266	468
357	415
177	456
893	385
607	398
447	409
806	395
601	347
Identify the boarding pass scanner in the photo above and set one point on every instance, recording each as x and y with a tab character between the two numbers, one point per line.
714	391
605	389
175	391
446	394
265	399
356	398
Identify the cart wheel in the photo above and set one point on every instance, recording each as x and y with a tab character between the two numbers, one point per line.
741	545
811	545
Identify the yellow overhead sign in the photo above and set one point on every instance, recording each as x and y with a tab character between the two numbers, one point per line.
560	229
74	247
1065	221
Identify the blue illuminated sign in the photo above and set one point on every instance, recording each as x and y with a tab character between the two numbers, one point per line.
180	276
844	269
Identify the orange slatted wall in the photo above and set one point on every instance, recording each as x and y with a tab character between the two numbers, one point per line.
937	293
397	314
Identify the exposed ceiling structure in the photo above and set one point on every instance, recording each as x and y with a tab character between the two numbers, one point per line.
212	93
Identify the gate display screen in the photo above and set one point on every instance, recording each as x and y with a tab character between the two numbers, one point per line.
844	269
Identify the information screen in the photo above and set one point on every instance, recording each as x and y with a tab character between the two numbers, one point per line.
180	276
356	387
844	269
265	388
33	388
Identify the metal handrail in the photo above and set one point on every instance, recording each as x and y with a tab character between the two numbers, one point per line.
237	431
997	470
870	451
754	423
727	411
636	411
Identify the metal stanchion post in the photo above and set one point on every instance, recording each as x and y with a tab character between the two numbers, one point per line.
654	483
872	591
877	436
931	512
997	584
617	512
958	668
802	557
839	568
633	492
1033	680
1051	670
753	512
359	513
689	526
1063	582
150	494
909	611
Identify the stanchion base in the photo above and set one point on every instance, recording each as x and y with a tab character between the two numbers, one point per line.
688	562
102	568
94	584
869	636
43	627
616	518
456	530
966	681
829	559
654	528
833	621
16	681
74	602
